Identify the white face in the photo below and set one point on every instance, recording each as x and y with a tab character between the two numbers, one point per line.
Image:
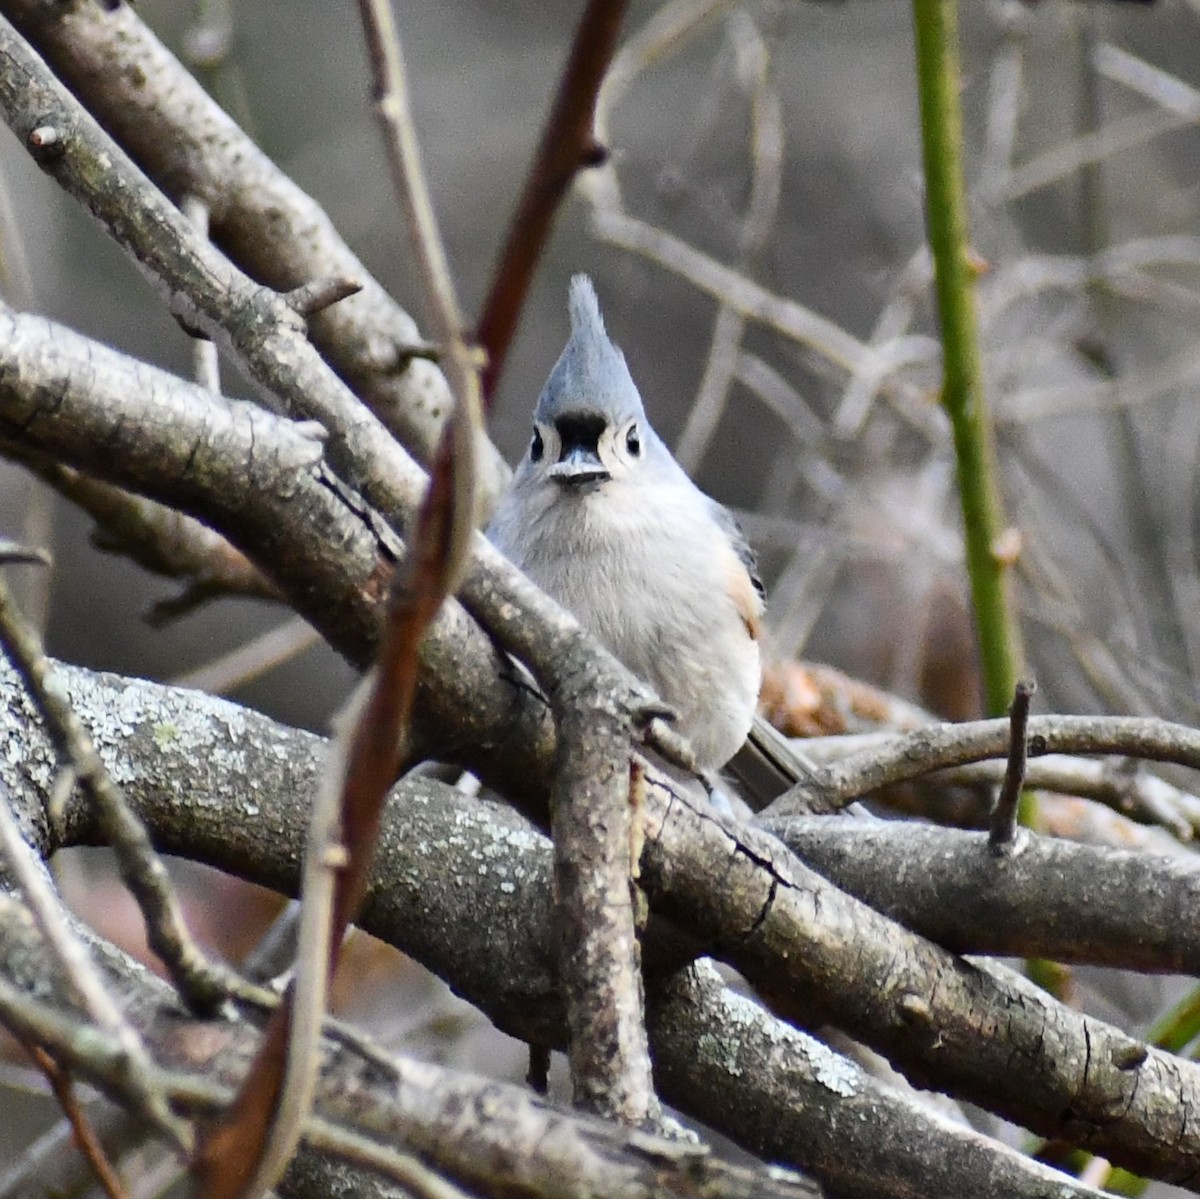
578	450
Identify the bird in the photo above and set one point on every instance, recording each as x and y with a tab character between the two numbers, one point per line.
601	516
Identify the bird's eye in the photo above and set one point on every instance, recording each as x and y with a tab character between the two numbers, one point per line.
536	447
633	442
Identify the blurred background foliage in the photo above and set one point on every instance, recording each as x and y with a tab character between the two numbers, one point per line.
779	141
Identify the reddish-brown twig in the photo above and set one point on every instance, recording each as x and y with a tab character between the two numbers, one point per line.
86	1139
567	146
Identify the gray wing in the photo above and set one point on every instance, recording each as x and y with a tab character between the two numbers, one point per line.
741	546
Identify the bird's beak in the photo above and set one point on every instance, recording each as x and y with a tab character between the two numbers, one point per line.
578	466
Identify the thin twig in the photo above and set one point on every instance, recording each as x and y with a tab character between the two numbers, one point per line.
394	111
1003	827
310	298
81	1127
250	661
47	1165
463	432
206	363
1117	783
940	746
72	958
766	162
1116	138
158	538
203	985
567	146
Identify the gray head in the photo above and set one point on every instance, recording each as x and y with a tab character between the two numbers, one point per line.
589	425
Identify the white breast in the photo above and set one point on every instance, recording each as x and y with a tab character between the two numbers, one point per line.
649	571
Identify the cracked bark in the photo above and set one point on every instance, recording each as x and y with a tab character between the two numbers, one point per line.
592	806
1056	899
486	1135
821	956
464	887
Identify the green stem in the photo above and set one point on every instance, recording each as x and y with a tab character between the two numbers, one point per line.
1179	1027
936	25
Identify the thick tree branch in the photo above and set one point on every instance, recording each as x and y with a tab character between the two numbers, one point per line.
262	481
462	1125
258	478
745	1088
260	331
188	145
1057	899
443	862
816	952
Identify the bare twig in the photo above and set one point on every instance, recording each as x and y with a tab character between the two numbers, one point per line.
849	1154
766	162
48	1162
267	1119
206	364
12	553
404	157
1117	783
720	369
1115	138
286	510
203	985
310	298
328	551
890	326
1003	830
84	1134
72	959
156	537
567	145
252	660
1165	89
942	746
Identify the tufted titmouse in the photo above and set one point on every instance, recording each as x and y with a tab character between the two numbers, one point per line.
602	518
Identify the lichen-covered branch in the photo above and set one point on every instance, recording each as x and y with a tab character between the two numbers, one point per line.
484	860
462	1126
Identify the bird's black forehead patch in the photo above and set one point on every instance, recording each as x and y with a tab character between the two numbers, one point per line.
580	430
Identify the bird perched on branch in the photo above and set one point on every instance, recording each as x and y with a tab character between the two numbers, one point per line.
603	519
